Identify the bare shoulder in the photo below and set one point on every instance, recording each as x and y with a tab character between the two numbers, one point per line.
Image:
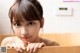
49	42
7	40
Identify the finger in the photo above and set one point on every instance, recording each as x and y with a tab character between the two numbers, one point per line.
18	47
41	45
22	46
13	45
8	45
31	48
36	47
28	46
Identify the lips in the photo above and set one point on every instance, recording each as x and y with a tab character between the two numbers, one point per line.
25	37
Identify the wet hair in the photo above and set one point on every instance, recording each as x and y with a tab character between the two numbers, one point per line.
29	10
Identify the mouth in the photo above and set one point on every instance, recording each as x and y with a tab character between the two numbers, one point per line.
26	37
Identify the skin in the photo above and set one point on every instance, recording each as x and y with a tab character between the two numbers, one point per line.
26	36
27	30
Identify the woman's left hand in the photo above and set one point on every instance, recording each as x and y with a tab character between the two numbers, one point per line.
32	47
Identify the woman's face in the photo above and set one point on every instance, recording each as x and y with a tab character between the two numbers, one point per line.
27	30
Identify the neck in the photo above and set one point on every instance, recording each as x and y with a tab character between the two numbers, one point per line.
37	40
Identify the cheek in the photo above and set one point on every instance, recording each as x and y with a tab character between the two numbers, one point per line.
16	31
34	31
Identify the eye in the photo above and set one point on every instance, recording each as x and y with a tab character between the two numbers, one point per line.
17	24
31	23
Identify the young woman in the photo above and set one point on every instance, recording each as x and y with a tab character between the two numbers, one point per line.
26	18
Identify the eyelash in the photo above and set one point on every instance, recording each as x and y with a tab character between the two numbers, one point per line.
29	24
17	24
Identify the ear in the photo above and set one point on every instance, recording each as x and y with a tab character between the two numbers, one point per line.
42	22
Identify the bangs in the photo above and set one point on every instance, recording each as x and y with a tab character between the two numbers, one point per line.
26	11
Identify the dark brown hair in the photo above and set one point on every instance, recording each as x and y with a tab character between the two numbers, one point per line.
26	9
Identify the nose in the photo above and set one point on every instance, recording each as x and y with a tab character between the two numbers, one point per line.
24	31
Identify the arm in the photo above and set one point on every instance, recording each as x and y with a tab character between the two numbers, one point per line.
6	41
12	42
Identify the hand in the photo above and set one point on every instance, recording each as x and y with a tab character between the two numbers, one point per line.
32	47
19	47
